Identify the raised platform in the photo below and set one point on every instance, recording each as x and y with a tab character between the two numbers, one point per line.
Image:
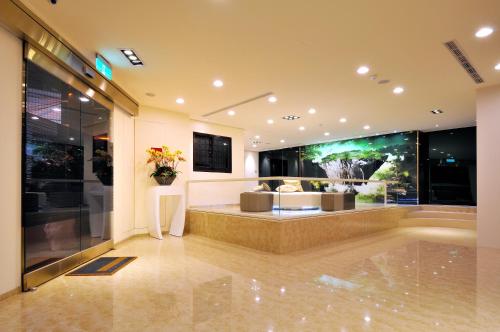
286	233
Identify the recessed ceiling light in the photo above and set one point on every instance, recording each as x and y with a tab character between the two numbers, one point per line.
150	94
71	138
257	136
35	117
282	141
302	128
231	112
398	90
291	117
497	67
272	99
366	127
218	83
343	120
84	99
326	134
56	109
437	111
437	125
270	121
484	32
254	145
311	111
180	101
363	70
132	57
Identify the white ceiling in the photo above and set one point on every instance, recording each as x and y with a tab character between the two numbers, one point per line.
305	52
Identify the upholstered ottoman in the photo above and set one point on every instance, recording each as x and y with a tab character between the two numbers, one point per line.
337	201
256	201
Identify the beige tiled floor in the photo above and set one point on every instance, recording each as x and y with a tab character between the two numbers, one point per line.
415	279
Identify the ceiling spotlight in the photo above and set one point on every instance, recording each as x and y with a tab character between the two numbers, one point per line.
437	111
150	94
132	56
282	141
35	117
56	109
497	67
311	111
326	134
254	145
437	125
398	90
272	99
302	128
231	112
291	117
270	121
363	70
218	83
180	101
71	138
366	127
484	32
343	120
257	136
84	99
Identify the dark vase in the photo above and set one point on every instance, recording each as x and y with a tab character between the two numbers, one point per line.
164	180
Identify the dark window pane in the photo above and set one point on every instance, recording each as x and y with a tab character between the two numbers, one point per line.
211	153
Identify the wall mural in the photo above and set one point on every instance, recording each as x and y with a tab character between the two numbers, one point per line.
384	157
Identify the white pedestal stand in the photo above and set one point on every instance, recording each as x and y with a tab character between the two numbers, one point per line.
153	208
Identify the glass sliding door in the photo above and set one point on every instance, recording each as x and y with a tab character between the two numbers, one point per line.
67	165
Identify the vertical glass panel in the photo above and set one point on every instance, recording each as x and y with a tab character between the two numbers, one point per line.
53	169
68	171
97	174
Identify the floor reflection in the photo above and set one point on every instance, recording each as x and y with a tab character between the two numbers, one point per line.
415	279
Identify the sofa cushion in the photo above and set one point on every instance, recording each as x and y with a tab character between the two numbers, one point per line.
295	183
286	188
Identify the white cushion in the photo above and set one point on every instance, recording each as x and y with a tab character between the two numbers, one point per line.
286	188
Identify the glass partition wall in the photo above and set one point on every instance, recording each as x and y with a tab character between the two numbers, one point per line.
67	166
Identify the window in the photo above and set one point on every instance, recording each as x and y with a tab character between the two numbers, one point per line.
211	153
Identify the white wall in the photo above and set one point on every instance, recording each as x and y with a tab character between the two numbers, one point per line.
219	193
10	167
156	127
488	161
122	135
251	168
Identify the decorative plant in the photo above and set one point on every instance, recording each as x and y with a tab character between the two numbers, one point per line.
165	162
103	166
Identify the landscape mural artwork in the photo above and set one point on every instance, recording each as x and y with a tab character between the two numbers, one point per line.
391	157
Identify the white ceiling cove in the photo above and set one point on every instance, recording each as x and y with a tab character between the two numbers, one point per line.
305	52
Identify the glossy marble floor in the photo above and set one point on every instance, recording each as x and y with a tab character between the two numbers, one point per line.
413	279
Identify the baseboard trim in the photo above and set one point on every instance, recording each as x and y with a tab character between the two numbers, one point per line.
14	291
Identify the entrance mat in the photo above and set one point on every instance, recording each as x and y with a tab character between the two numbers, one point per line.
103	266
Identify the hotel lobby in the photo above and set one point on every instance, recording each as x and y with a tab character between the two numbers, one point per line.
245	165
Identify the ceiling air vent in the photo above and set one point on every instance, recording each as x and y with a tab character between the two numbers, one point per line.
462	59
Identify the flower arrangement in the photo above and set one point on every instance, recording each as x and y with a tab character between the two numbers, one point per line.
166	163
103	165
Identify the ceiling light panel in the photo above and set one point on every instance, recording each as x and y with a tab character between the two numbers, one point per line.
291	117
132	56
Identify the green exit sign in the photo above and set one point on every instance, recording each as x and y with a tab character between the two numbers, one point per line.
103	67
